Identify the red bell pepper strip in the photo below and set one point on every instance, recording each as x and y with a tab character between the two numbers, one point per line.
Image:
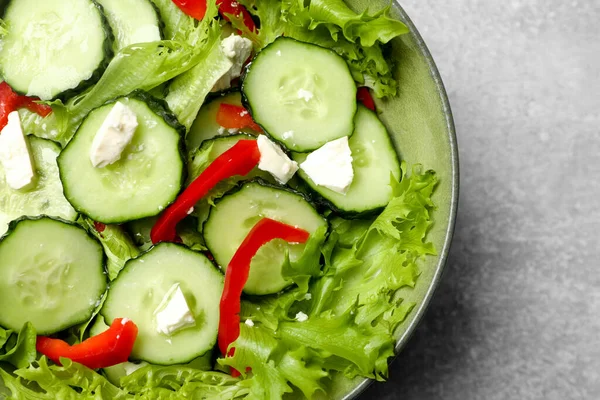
238	270
10	101
197	9
194	8
232	7
238	160
364	96
231	116
111	347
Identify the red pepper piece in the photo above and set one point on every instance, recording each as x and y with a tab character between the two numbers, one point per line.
10	101
364	96
111	347
232	7
238	270
231	116
194	8
99	226
238	160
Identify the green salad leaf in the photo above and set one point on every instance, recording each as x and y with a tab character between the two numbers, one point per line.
18	349
178	382
118	245
356	304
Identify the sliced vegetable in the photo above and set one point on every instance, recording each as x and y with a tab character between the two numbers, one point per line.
301	94
52	275
229	8
145	180
143	285
54	48
111	347
375	164
194	8
11	101
231	116
238	271
45	196
132	21
238	160
364	96
278	264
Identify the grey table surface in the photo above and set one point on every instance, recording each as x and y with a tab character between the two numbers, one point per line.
517	315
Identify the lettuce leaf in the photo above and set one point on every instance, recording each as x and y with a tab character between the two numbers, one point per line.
177	382
355	305
18	350
118	245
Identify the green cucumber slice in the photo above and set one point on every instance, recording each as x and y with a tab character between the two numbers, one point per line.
46	197
374	161
51	274
132	21
140	288
231	219
206	127
54	48
146	179
302	94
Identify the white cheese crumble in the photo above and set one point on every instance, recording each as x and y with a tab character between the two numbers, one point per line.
173	313
301	317
115	133
305	94
237	49
249	322
331	166
275	161
14	154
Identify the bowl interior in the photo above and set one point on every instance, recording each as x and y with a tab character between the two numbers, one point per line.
420	123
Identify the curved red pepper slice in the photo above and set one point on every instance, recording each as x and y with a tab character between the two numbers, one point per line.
111	347
231	116
364	96
238	270
10	101
238	160
232	7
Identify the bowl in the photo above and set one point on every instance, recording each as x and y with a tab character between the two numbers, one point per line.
420	123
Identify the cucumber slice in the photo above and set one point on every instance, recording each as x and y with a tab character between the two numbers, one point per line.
143	182
140	288
206	127
52	275
46	197
132	21
231	219
54	48
374	158
302	94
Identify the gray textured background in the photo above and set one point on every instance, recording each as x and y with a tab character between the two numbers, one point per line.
517	314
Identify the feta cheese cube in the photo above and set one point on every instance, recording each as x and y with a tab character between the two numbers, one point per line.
249	322
14	154
237	49
173	313
115	133
331	165
275	161
301	317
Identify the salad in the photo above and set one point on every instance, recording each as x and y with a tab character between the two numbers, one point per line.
199	200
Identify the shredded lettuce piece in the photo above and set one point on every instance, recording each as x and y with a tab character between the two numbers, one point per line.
18	349
118	245
355	305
